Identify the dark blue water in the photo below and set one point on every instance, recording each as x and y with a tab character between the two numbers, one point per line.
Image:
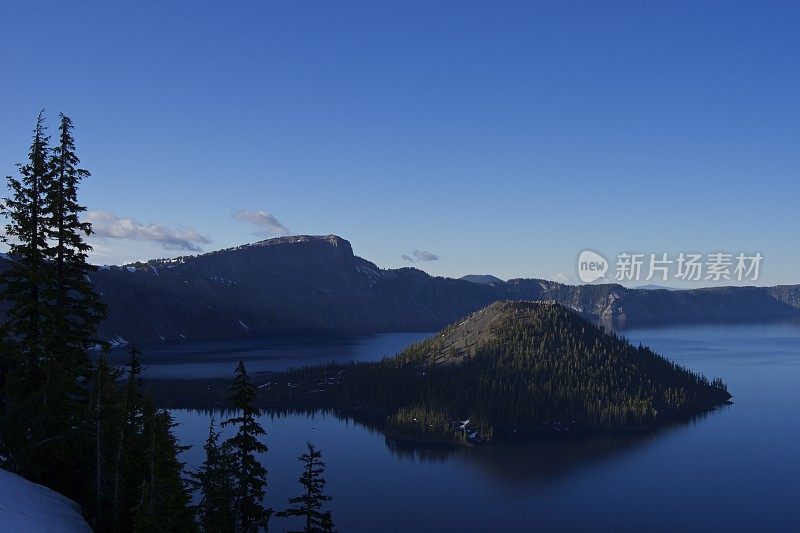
216	358
736	469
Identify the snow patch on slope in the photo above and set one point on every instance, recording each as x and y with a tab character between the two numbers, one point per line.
117	341
26	506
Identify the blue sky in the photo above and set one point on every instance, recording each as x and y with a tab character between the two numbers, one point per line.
501	137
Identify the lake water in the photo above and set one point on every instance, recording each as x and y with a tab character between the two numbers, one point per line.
216	358
734	469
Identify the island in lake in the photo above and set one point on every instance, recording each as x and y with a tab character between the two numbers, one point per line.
512	368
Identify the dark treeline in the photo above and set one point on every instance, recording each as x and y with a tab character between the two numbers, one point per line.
309	504
75	423
67	421
231	482
538	366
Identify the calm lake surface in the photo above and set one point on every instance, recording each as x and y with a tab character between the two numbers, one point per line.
734	469
216	358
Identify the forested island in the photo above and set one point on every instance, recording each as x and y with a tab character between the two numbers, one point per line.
510	368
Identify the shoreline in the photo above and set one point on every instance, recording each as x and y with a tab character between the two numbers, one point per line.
211	394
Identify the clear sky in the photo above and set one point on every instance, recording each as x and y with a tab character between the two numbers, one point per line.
500	137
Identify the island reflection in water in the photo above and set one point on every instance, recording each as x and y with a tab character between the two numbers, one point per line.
698	475
512	459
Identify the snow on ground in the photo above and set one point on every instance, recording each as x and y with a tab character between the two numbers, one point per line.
117	341
26	507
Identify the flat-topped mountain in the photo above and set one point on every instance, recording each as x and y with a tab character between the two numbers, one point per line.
512	366
316	284
303	283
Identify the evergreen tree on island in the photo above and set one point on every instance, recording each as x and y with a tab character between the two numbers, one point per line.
309	504
250	476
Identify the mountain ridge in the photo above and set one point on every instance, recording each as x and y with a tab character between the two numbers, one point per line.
317	284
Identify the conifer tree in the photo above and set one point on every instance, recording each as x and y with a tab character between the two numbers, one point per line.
250	476
214	482
24	285
309	504
129	441
78	309
26	233
65	422
163	498
136	481
74	308
102	422
53	316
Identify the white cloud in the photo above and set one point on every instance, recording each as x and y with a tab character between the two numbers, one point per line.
109	225
424	255
420	256
264	221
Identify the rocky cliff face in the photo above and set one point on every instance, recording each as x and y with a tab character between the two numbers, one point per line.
316	284
616	303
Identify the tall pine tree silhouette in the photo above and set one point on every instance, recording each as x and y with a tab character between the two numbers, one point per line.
163	499
127	462
309	504
78	309
250	476
27	232
53	316
214	481
24	286
74	308
65	422
101	423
